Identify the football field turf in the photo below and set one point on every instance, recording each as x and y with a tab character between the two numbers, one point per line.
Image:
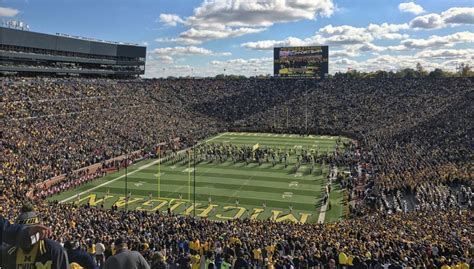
225	190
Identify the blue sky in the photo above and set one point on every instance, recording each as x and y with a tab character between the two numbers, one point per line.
204	38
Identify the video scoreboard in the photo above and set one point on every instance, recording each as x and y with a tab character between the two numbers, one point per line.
301	62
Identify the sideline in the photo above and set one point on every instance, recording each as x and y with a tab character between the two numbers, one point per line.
322	213
132	172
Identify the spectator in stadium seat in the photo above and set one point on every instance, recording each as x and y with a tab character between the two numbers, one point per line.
99	254
414	136
20	235
45	253
79	257
183	261
158	261
125	258
331	264
242	261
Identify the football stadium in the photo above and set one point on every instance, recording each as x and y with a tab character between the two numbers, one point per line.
223	135
260	186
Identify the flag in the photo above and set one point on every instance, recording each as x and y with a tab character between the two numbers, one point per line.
255	147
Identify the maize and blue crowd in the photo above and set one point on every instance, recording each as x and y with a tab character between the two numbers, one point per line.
411	207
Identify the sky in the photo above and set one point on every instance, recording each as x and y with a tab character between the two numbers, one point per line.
210	37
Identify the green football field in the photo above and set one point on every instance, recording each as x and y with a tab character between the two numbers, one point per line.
225	190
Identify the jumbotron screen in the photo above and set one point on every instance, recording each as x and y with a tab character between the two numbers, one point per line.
301	62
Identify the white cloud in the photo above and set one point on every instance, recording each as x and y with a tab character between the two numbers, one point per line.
393	36
8	12
165	59
178	40
257	13
343	35
270	44
181	67
336	36
396	48
387	30
429	21
345	61
249	62
369	47
170	19
453	16
218	19
388	63
328	35
342	53
453	63
190	50
438	41
157	68
459	15
446	53
411	7
246	67
195	35
445	59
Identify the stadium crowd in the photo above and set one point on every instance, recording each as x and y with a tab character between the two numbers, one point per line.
414	142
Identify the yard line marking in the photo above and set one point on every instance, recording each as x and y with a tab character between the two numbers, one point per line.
131	173
140	183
